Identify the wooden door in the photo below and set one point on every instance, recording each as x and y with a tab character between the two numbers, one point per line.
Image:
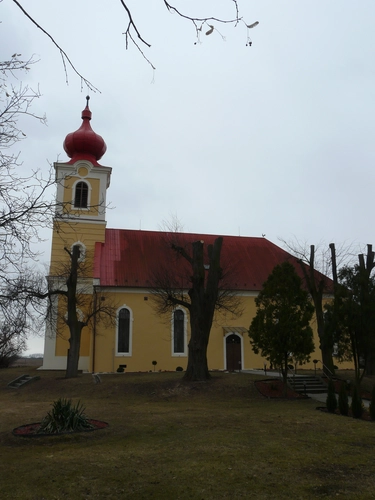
233	352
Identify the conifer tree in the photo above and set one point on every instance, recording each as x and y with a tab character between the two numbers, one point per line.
281	330
343	400
357	406
331	401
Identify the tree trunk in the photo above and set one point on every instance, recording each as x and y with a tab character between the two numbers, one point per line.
197	368
75	326
316	290
203	296
284	371
368	341
73	352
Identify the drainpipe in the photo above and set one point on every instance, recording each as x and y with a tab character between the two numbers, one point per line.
94	331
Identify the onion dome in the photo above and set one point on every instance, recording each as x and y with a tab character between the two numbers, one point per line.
84	143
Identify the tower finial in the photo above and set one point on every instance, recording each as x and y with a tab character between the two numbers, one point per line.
87	100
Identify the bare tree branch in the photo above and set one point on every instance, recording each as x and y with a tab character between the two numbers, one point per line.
64	56
133	34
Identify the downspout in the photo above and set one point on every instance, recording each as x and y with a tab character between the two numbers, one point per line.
94	331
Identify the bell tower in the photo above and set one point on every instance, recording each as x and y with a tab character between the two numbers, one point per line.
80	219
82	183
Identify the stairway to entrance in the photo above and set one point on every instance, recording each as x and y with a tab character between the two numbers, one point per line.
307	384
22	380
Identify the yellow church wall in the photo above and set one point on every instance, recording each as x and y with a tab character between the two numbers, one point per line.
152	339
67	233
62	342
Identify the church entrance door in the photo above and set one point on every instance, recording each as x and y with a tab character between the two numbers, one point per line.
233	352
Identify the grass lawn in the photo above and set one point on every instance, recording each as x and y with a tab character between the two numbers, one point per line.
169	440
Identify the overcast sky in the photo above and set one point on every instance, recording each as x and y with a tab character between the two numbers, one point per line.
274	139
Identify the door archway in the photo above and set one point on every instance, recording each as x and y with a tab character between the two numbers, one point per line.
233	352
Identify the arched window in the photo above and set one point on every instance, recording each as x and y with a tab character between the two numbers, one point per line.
81	195
124	331
179	332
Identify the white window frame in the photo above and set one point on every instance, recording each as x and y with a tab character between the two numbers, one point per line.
184	353
131	319
88	194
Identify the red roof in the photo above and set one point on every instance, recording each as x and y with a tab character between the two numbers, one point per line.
130	258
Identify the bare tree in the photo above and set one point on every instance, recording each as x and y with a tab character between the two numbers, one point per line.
319	269
25	204
199	282
317	284
80	304
365	271
206	24
351	316
12	341
73	302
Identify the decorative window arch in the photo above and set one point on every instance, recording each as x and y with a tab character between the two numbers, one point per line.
124	331
179	332
81	194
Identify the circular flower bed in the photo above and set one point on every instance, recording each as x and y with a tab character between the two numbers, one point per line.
31	430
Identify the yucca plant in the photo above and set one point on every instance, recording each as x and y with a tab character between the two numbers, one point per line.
65	417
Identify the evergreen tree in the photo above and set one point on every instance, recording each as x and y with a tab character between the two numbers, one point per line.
350	319
343	400
281	328
331	401
372	404
357	406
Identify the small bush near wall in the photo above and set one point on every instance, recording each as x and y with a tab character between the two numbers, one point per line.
331	401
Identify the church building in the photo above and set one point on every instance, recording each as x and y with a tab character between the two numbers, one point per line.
121	264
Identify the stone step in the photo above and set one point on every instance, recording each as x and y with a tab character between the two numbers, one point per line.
308	384
22	380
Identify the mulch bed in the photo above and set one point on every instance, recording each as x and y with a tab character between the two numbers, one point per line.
31	430
274	388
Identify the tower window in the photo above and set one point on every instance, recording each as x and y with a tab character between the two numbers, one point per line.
81	195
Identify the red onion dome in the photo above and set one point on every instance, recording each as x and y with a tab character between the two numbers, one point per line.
84	143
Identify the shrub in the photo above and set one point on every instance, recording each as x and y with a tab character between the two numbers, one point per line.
64	417
179	369
372	404
331	401
357	406
343	400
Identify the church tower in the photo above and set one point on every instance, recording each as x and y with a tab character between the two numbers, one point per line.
82	185
80	219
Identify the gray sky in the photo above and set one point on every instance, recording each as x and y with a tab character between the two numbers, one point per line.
272	139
